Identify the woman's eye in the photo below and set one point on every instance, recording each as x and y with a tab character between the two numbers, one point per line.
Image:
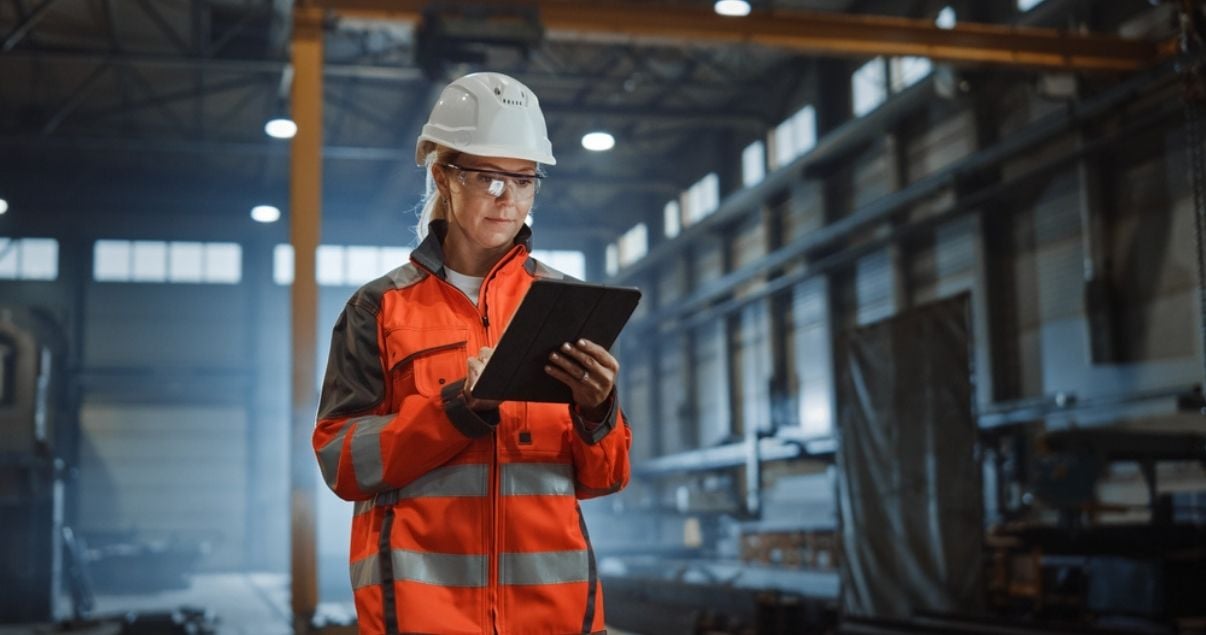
524	183
484	180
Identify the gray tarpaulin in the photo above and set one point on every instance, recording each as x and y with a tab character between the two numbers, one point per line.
909	487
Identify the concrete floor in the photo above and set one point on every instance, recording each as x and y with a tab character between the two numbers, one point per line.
243	603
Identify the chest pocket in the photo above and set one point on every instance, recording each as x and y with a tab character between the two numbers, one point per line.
427	360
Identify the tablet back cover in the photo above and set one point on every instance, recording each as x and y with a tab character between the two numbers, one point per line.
553	312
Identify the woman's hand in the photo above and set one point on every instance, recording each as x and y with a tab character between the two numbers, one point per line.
476	364
588	369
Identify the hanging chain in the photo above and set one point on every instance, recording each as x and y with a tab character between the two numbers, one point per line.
1194	93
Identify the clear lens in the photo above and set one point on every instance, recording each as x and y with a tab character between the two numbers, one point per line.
492	184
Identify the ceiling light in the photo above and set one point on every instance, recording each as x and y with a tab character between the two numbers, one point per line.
281	128
3	206
265	214
733	8
598	141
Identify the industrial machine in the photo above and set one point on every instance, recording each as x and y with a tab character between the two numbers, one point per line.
37	443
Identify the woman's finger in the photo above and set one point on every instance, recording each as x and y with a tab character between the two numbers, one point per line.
598	354
571	366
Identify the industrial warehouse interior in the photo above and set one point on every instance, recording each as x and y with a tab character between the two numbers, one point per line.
919	347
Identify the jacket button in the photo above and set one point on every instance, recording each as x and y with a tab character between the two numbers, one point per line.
441	381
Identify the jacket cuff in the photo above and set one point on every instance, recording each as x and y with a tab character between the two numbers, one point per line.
470	423
593	431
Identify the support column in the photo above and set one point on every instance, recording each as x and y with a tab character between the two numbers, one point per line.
305	222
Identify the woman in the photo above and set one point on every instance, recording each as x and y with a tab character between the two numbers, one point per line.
466	516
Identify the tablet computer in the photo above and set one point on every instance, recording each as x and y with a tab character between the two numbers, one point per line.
552	313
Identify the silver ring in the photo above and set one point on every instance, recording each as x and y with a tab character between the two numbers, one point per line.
585	376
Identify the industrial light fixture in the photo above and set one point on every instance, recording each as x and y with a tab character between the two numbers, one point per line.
732	8
281	128
3	206
598	141
265	214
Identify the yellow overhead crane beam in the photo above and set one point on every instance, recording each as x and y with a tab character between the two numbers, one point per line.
822	33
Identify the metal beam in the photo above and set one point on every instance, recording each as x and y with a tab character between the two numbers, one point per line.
305	222
74	101
370	72
14	38
164	26
275	149
161	100
823	33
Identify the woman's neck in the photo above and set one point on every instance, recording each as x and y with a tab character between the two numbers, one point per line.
463	257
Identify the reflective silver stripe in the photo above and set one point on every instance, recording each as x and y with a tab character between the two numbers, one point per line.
543	567
366	451
362	507
442	569
454	480
328	458
525	479
365	572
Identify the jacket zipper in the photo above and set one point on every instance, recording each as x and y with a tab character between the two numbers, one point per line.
495	512
493	556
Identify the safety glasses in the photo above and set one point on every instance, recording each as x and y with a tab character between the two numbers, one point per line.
492	182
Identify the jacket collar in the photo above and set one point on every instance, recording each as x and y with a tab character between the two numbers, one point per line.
430	252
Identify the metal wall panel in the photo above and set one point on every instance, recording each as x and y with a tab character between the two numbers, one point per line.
711	384
949	140
803	210
637	394
873	287
672	379
871	176
179	325
812	356
671	282
1152	247
945	265
749	241
708	260
753	367
167	472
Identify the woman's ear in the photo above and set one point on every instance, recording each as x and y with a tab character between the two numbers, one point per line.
439	174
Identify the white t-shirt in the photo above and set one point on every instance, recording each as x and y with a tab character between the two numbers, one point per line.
468	285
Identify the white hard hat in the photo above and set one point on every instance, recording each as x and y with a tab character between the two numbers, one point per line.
488	115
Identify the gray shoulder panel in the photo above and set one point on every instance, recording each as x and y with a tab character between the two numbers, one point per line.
405	276
540	270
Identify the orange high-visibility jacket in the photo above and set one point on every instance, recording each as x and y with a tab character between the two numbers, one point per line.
465	522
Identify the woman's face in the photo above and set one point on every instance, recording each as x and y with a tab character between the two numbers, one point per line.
487	222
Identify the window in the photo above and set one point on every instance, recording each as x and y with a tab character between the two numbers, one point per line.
186	262
701	199
633	245
341	265
1026	5
223	263
753	164
111	261
612	259
672	219
906	71
29	259
794	137
869	86
946	18
174	262
149	262
566	261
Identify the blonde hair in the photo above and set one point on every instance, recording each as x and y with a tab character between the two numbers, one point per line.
434	207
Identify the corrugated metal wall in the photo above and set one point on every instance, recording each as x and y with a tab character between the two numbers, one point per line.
165	449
